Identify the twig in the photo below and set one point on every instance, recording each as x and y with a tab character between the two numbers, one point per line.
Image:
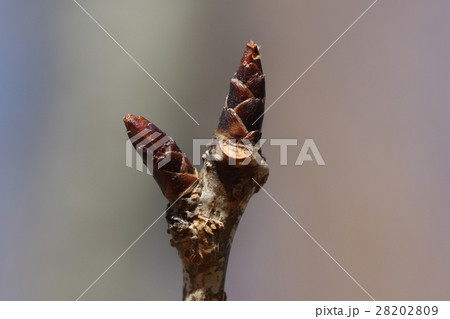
210	204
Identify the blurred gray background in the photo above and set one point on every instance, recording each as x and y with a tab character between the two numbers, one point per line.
376	105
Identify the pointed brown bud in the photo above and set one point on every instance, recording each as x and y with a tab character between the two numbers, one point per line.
172	170
244	105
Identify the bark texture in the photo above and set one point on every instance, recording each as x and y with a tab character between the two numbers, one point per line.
207	206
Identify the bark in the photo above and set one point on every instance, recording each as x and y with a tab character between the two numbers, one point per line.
207	206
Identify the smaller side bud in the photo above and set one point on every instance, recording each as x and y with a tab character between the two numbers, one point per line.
172	170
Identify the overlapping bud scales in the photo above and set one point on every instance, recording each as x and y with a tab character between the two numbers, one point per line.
172	170
245	101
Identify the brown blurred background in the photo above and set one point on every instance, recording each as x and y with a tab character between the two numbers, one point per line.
376	105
